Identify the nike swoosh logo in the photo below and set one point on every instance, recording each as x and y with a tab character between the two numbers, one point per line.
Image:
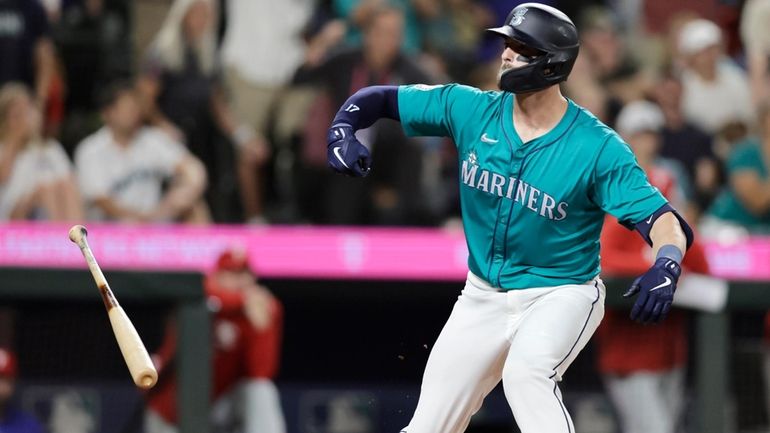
486	139
337	154
649	220
661	285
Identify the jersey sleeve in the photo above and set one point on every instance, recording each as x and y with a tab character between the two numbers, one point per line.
433	110
620	186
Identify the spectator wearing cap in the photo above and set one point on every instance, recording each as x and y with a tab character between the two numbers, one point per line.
132	173
247	332
745	201
715	90
12	419
643	367
756	41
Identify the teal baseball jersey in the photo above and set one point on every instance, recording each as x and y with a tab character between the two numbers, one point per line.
532	212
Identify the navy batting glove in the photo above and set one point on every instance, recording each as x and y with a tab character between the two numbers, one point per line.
345	153
656	291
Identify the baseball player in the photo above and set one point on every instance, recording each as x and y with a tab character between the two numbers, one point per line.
537	175
247	331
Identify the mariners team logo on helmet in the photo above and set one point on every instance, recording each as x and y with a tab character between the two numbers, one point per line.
518	16
550	33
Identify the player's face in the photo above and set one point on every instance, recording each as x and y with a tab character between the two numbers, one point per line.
515	55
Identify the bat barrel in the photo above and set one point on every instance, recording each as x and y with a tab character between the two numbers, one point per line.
137	359
134	353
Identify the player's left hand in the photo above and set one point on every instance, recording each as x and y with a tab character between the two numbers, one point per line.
346	154
656	291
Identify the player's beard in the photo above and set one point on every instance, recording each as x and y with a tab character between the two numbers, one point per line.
503	67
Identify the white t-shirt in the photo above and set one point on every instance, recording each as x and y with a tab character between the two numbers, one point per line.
35	165
710	105
263	40
132	176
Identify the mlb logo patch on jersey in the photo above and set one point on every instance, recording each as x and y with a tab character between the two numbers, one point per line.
426	87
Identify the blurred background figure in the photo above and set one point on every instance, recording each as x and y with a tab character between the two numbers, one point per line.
685	143
745	201
453	39
131	173
92	39
258	30
36	177
247	331
13	419
607	74
359	13
26	49
716	91
388	196
182	94
756	42
643	367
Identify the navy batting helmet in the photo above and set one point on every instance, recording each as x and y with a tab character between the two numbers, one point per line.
550	36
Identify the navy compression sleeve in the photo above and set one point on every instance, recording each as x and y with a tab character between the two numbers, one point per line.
367	106
644	227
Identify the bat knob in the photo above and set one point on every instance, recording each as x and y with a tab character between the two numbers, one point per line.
147	381
77	232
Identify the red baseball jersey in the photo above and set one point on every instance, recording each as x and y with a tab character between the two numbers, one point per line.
625	346
240	351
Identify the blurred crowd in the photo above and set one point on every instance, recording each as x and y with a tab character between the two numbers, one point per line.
215	111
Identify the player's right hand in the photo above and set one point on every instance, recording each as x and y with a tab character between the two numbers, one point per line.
345	153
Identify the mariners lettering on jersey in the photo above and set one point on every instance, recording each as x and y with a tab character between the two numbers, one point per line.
529	196
135	176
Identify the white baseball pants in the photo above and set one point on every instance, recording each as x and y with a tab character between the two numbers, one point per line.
527	338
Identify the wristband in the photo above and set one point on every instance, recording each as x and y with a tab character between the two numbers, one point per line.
670	252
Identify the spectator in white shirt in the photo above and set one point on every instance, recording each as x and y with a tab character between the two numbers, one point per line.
262	48
715	90
36	176
132	173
